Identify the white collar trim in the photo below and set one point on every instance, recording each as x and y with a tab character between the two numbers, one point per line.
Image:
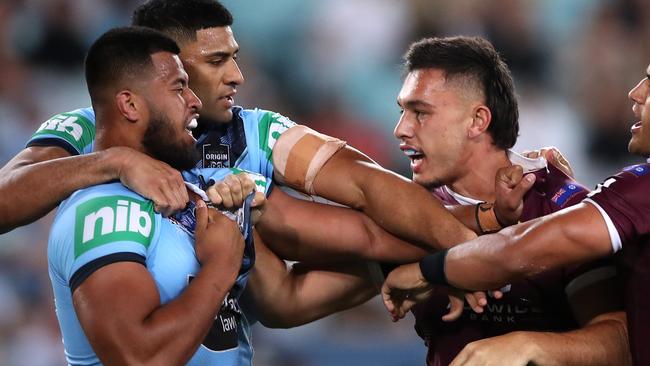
529	165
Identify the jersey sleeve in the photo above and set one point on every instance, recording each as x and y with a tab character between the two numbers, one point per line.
563	190
270	125
73	131
624	202
99	226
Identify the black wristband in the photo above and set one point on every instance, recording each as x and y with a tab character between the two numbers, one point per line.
433	268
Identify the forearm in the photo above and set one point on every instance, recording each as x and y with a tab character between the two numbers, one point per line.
566	237
315	292
29	189
287	297
400	206
603	342
287	227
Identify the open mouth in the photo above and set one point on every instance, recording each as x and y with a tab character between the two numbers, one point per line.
413	154
636	126
192	124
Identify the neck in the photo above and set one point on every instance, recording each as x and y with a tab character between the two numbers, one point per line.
111	131
477	179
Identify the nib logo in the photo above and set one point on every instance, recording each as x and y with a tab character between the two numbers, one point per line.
65	124
112	219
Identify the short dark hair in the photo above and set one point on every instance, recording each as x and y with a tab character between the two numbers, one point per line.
123	53
181	19
476	58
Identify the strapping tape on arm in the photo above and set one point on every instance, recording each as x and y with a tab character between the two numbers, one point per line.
300	153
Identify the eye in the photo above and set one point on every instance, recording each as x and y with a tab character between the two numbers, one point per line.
401	111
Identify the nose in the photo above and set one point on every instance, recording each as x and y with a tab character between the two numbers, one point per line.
403	128
636	94
233	75
193	101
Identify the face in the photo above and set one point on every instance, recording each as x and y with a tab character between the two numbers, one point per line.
173	112
640	95
433	126
211	62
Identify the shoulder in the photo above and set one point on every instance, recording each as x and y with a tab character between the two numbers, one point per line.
73	124
267	120
623	199
75	129
268	125
631	181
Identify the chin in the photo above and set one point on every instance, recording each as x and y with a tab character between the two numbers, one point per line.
636	148
224	116
427	183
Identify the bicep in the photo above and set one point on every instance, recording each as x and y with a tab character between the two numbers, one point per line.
342	176
570	236
111	303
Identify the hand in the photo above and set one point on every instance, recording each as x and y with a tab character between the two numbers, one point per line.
231	193
404	287
218	239
553	156
476	300
512	349
152	179
511	185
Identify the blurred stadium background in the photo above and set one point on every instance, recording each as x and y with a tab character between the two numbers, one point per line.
333	65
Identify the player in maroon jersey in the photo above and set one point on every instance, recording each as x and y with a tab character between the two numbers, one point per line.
614	218
459	120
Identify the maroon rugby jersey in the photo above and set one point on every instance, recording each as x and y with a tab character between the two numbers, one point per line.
538	304
625	199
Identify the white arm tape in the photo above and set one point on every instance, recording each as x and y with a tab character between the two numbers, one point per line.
300	153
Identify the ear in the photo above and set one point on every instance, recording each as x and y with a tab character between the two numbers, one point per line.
129	105
480	121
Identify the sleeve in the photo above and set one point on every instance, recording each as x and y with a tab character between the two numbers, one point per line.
563	190
624	202
73	131
270	126
94	229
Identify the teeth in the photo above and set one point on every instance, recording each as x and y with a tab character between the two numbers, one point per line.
192	125
411	152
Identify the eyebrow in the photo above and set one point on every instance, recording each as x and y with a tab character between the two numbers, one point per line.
415	104
221	54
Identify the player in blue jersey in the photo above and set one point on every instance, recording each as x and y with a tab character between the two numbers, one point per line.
126	280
